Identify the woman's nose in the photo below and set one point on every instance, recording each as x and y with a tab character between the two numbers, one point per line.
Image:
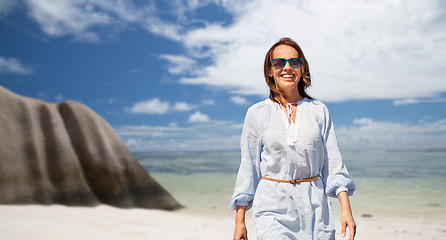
287	65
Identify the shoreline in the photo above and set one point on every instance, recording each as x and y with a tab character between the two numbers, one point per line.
210	193
106	222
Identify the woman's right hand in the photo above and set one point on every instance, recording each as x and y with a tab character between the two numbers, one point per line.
240	232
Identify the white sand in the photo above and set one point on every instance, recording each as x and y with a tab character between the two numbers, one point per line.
104	222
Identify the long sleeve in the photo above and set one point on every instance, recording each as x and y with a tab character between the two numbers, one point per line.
249	172
334	170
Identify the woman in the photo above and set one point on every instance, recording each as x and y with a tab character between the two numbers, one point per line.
290	161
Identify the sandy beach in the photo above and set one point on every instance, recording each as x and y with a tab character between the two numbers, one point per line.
105	222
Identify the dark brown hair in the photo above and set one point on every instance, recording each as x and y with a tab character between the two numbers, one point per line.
304	81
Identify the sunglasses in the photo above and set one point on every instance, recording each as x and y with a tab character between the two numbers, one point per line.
280	63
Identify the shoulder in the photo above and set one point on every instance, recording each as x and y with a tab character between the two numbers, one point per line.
262	106
317	105
258	112
318	110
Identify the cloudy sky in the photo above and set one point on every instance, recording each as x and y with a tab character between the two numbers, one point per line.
180	75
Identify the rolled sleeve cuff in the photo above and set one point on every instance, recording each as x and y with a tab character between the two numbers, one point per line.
340	184
242	200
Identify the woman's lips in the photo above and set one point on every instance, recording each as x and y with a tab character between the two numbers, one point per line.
287	76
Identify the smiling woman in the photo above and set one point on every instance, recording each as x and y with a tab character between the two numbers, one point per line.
290	160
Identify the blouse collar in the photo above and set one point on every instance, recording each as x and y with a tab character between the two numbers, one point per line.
298	103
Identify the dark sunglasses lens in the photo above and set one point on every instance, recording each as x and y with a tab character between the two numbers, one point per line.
295	62
279	63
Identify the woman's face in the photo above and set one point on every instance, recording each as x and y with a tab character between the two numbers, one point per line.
287	77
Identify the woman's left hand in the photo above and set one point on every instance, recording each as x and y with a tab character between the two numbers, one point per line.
346	216
348	221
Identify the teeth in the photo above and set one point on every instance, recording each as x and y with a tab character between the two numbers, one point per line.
287	76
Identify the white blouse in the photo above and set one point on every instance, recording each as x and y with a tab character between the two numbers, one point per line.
272	147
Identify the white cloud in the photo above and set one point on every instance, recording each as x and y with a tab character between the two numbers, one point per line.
183	107
368	134
131	142
168	30
154	106
356	50
179	64
13	65
80	18
239	100
417	100
198	117
406	101
58	18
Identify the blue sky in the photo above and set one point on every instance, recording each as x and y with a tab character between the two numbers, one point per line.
180	75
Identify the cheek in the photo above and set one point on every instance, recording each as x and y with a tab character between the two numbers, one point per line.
299	72
271	72
276	73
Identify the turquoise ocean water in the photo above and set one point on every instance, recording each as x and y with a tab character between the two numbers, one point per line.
398	183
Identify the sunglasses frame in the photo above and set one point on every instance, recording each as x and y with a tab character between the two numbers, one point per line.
287	61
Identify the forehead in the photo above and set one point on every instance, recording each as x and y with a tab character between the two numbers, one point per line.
285	51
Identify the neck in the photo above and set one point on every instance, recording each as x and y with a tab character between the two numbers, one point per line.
284	99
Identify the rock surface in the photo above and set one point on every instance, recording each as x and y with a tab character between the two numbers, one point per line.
67	154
